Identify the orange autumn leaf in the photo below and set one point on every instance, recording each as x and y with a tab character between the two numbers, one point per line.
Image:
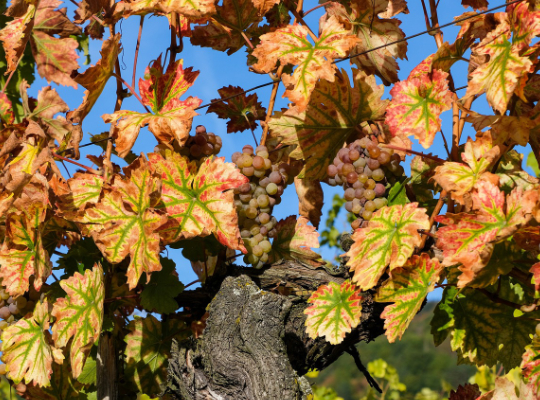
290	45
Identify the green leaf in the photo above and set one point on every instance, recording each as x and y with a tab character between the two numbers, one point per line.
397	195
335	310
443	316
62	387
88	375
148	347
158	295
407	289
511	175
533	164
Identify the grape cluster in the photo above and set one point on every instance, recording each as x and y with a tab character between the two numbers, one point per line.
201	145
256	199
364	169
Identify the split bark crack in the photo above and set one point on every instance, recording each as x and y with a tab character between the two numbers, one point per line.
255	345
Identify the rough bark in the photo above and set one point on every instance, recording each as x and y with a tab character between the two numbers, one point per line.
254	345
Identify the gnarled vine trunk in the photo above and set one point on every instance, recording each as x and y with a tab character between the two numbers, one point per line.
255	345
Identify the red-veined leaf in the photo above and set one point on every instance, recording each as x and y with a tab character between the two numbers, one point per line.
388	240
6	110
124	221
459	179
333	115
500	77
334	311
171	118
468	238
417	104
79	315
290	45
407	288
27	350
22	254
530	367
242	111
200	201
294	240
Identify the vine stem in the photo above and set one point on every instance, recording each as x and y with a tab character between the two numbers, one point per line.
434	214
174	43
107	166
91	170
435	23
132	90
410	152
247	40
316	7
302	22
271	104
137	51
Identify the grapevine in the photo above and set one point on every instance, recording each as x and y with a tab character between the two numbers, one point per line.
105	212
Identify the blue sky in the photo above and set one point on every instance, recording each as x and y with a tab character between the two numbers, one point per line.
218	70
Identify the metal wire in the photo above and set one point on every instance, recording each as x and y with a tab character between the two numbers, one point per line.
353	56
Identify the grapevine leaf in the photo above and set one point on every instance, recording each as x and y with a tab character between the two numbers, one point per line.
310	199
79	315
530	367
443	316
468	238
467	392
533	164
502	260
199	202
192	9
478	5
124	221
27	350
85	189
332	117
56	58
6	110
511	175
417	104
397	195
16	33
501	75
388	240
528	238
148	347
171	118
96	77
63	386
407	289
505	389
294	240
158	294
242	111
503	127
233	17
335	310
22	254
290	45
460	178
485	332
525	24
362	19
88	374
